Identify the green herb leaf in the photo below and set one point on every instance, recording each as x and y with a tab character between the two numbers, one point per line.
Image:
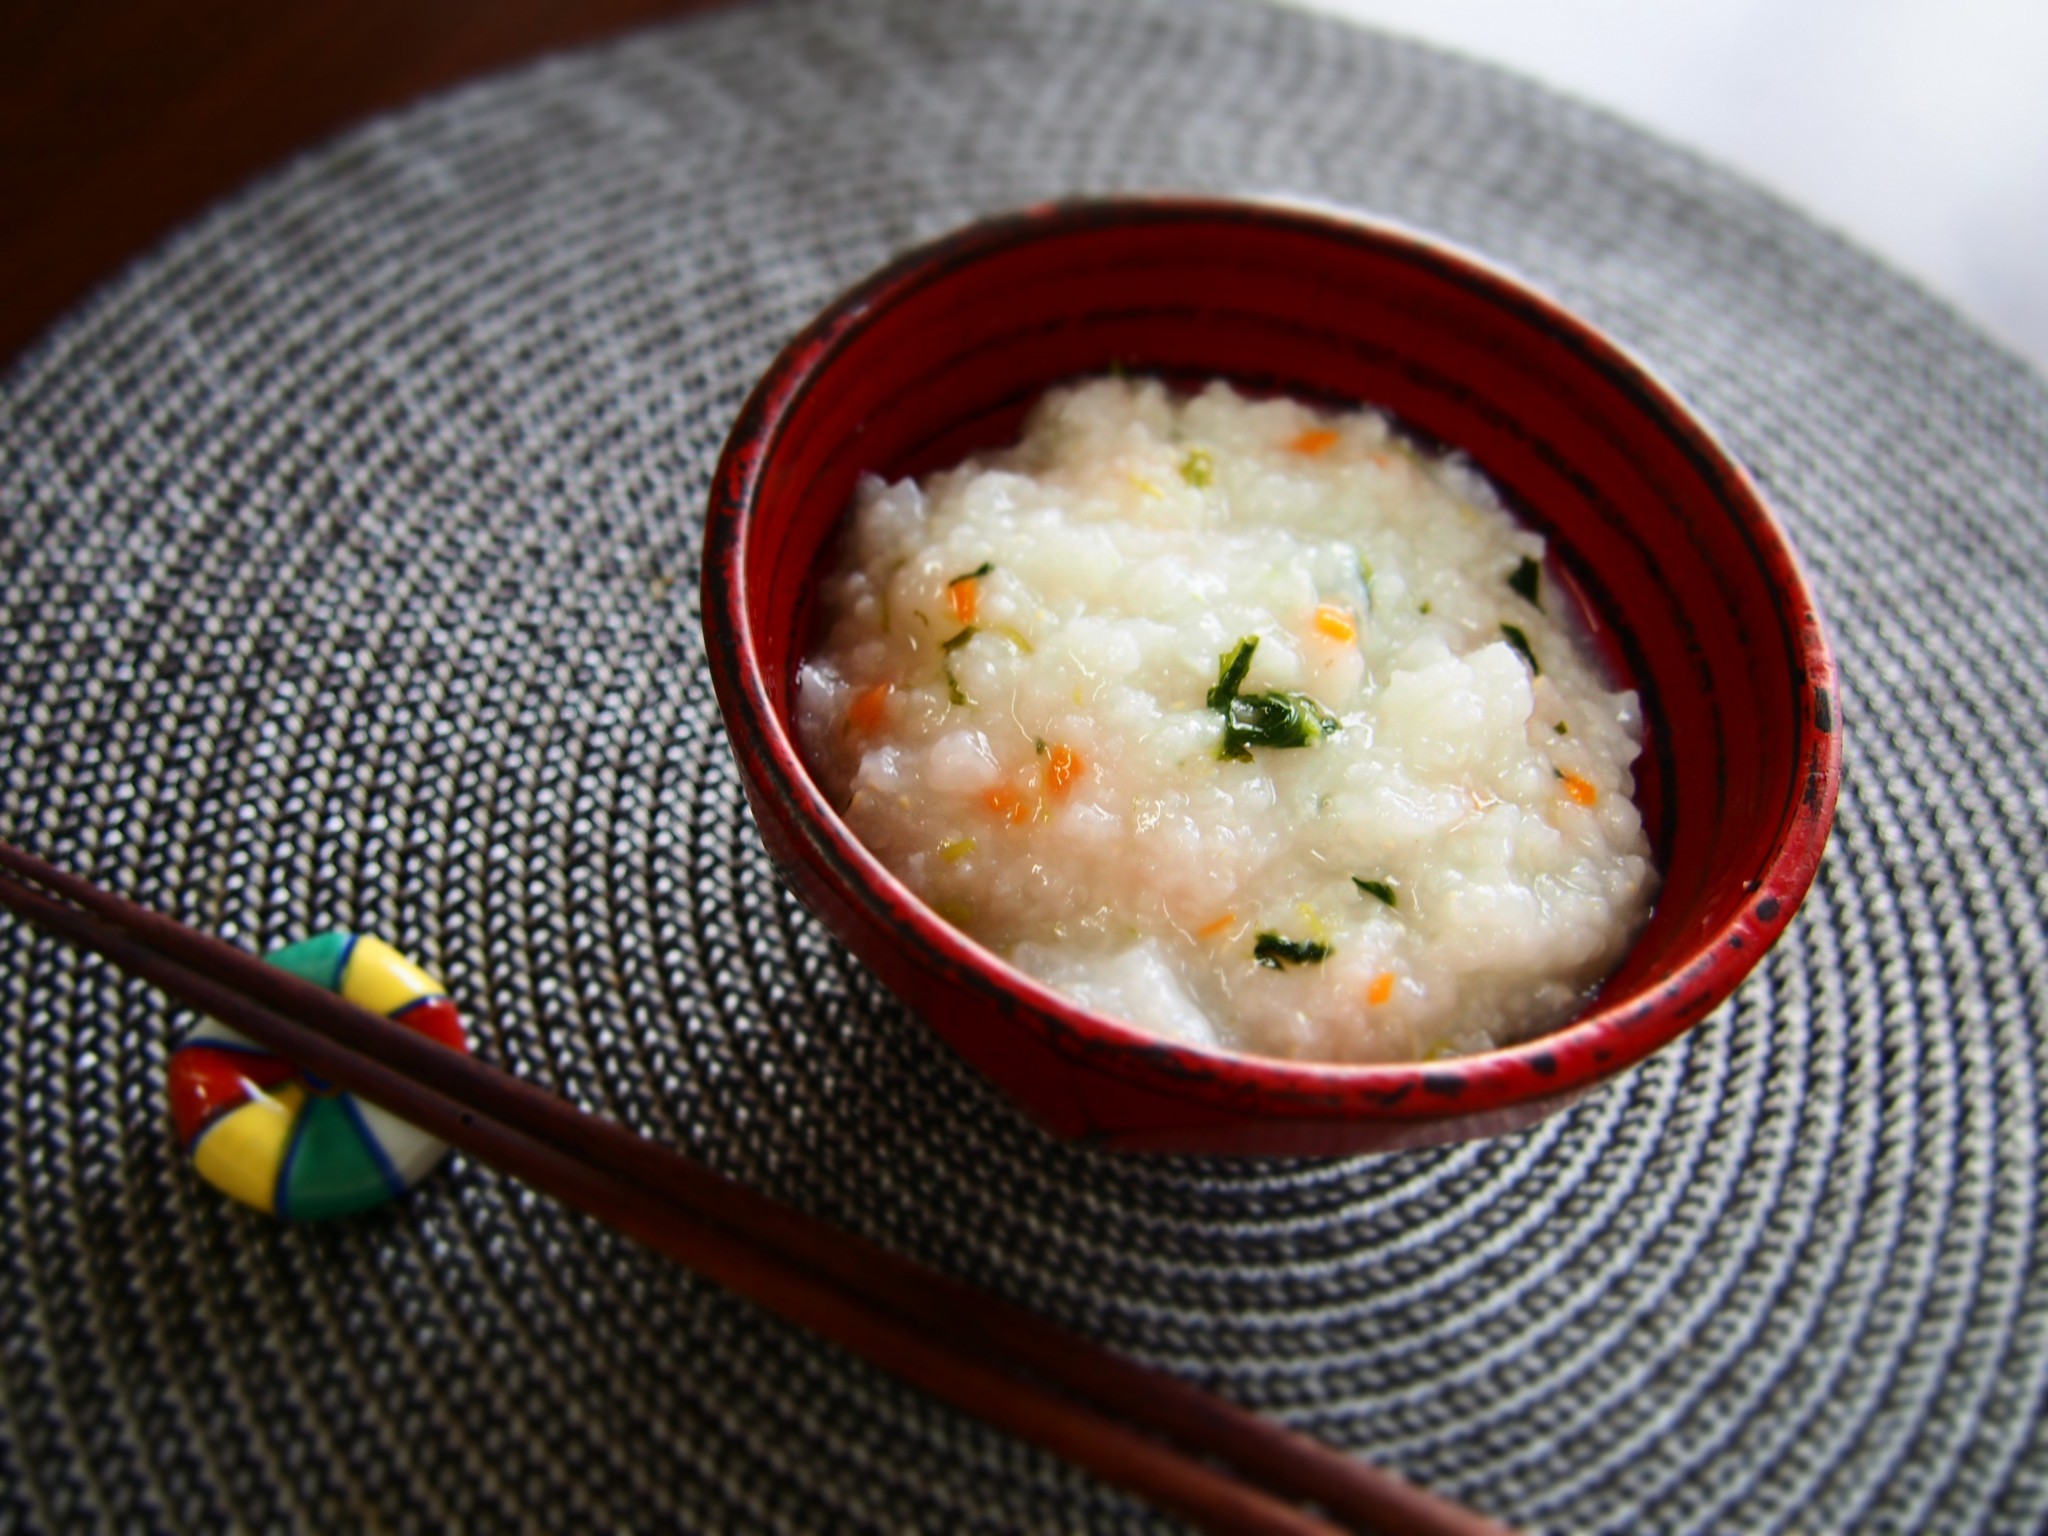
1527	580
1272	720
1276	953
979	571
953	689
1231	669
1262	719
1198	468
1520	642
1378	888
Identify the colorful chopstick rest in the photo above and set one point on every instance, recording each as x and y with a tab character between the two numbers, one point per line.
279	1139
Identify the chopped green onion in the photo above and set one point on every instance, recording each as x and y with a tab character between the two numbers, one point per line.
1276	953
1520	642
974	575
1378	888
1198	468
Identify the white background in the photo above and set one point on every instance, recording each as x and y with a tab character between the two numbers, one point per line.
1918	128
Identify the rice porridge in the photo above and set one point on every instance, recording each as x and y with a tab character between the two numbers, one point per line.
1248	723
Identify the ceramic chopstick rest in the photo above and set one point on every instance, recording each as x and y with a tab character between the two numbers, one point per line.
274	1137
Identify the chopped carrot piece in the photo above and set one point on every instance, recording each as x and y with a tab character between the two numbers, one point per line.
1006	802
1221	925
1063	765
1314	441
1335	622
866	711
1581	790
965	596
1381	989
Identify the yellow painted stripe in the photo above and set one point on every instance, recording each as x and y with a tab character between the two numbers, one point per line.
240	1154
382	980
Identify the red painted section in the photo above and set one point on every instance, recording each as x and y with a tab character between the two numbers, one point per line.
436	1018
207	1081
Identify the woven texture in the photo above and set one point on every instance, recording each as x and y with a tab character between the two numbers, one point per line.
349	555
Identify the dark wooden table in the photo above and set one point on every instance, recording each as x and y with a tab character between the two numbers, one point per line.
120	119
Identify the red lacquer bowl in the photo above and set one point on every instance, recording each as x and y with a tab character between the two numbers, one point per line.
1673	552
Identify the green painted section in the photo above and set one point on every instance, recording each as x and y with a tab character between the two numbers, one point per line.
331	1170
318	959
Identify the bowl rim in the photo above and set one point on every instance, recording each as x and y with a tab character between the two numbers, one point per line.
1561	1063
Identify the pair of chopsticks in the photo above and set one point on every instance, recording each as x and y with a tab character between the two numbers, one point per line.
1131	1425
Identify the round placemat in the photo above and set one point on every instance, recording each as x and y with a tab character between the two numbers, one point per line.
349	581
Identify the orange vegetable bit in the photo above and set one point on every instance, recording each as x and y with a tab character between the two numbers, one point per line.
1063	765
1005	802
1222	925
1314	441
965	596
1381	989
869	708
1581	791
1335	622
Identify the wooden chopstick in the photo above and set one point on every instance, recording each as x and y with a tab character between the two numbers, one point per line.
981	1354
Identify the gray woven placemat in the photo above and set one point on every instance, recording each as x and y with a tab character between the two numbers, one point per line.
348	555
